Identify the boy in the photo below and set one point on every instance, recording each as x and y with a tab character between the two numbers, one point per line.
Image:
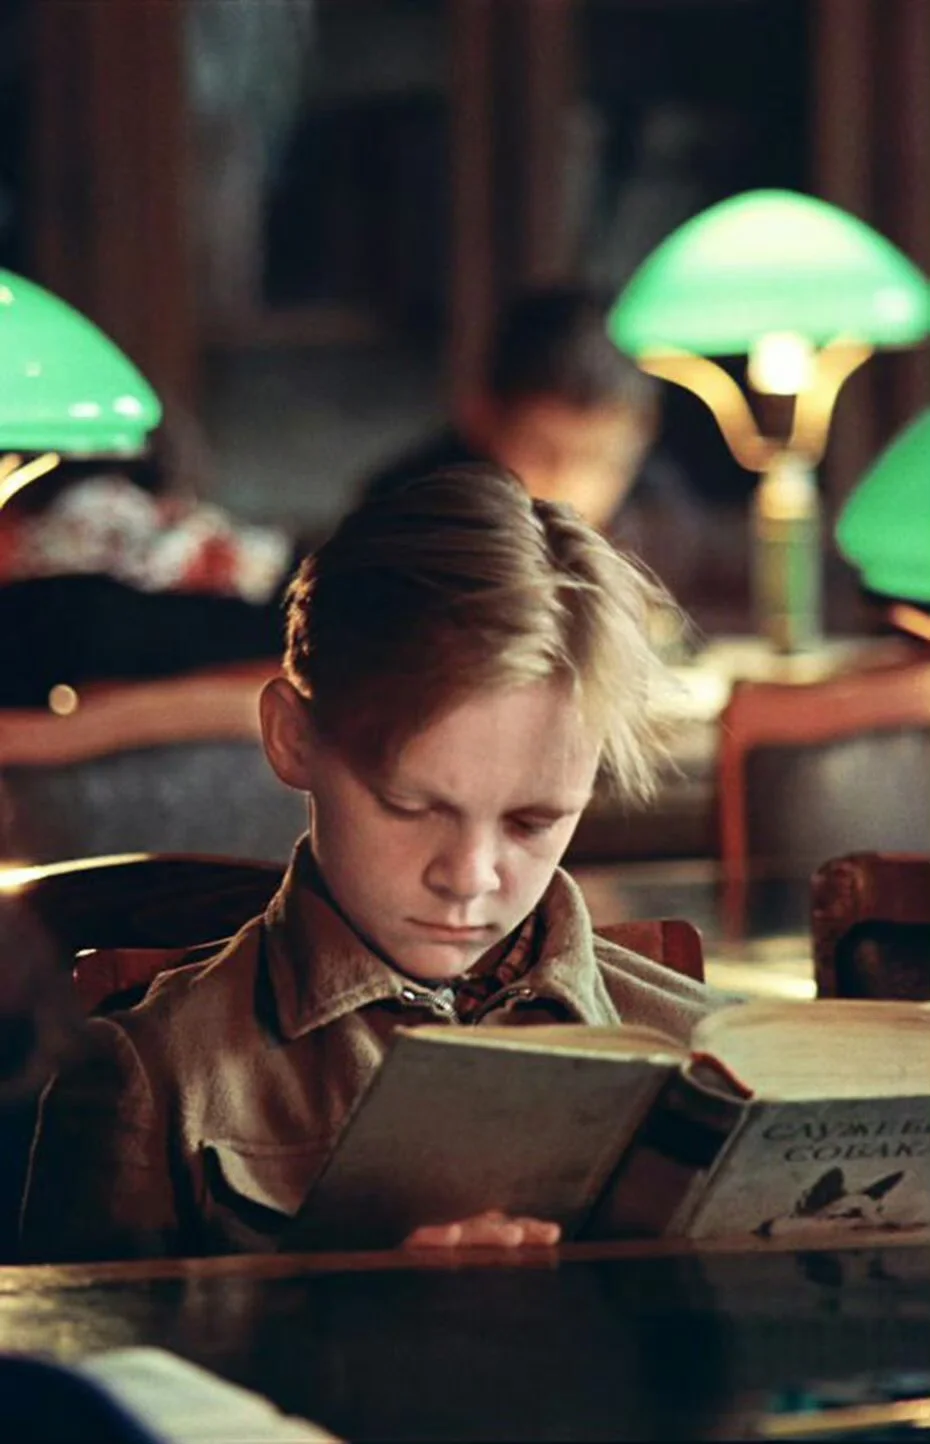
461	663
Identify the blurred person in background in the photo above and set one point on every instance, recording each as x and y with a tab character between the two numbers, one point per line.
576	420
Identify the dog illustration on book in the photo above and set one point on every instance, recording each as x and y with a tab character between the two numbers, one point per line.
828	1203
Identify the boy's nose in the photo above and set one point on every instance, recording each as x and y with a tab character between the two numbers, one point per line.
467	867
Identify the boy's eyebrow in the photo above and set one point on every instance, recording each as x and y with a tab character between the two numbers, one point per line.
552	810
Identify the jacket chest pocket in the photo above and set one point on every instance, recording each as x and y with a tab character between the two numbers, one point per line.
251	1192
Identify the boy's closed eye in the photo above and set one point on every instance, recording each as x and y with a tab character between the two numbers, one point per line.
400	809
534	824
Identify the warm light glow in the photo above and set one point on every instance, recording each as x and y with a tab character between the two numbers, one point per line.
788	489
910	619
780	364
63	700
23	475
15	875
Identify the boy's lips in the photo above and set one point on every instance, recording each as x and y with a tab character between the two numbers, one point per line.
454	933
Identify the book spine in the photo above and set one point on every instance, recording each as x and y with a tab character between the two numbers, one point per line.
672	1153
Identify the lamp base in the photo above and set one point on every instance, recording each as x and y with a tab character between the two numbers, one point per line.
787	563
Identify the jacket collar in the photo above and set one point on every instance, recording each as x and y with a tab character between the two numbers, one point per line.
320	970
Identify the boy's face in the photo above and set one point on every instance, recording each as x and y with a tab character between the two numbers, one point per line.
587	456
443	854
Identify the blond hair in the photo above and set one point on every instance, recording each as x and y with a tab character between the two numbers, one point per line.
457	583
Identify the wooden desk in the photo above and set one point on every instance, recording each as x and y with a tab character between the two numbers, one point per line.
756	939
624	1341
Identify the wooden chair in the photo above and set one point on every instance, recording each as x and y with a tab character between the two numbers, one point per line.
169	765
870	916
144	901
106	979
809	771
673	942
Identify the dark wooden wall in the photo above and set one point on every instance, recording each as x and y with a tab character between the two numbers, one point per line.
110	173
871	155
108	176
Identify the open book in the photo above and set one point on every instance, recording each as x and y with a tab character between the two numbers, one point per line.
184	1404
781	1117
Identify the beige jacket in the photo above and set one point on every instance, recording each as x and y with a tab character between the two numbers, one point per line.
196	1121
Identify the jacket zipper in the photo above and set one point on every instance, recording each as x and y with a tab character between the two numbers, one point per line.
441	1001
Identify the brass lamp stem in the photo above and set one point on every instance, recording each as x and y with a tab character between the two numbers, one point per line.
14	478
8	464
786	555
833	365
717	389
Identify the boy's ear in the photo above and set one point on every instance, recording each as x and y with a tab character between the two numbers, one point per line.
287	733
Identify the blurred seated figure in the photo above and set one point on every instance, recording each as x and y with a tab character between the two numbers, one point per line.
106	571
575	419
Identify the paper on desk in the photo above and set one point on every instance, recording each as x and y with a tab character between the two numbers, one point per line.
184	1404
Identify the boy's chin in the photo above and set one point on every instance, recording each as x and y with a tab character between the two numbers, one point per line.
439	963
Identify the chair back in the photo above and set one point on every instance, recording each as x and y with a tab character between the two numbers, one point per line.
673	942
142	901
809	771
870	916
171	765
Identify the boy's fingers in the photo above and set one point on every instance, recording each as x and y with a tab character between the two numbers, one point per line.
438	1235
539	1231
490	1230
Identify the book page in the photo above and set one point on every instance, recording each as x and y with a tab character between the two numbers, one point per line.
185	1404
824	1048
626	1040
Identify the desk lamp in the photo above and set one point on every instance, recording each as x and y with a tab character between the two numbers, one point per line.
806	293
884	527
65	388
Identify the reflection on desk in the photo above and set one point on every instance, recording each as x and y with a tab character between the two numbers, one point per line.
624	1341
766	953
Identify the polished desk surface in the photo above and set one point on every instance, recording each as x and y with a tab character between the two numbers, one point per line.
624	1341
756	936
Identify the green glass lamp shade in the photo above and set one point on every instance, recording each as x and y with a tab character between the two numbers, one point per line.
64	386
770	261
884	527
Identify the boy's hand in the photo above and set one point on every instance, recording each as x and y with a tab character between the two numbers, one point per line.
487	1230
